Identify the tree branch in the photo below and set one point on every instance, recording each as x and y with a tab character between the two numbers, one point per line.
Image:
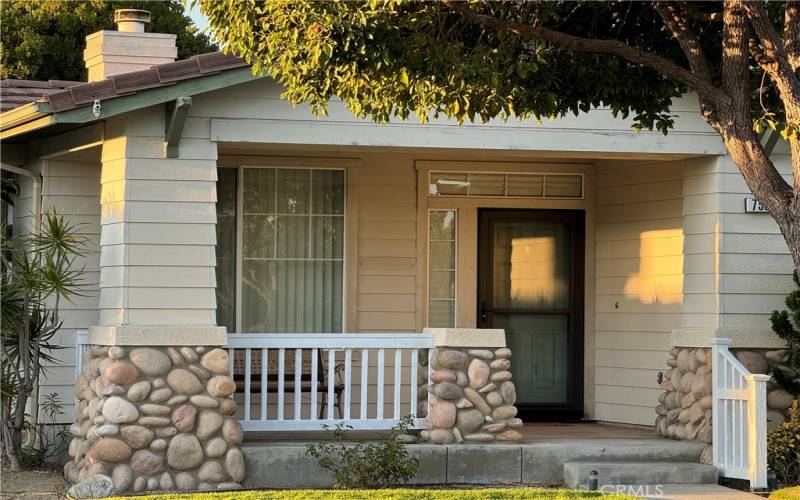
775	61
791	31
579	44
686	38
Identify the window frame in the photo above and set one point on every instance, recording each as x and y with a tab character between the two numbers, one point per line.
428	267
239	230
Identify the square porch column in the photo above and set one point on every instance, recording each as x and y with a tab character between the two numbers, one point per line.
155	408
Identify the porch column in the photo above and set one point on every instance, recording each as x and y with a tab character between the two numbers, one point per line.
155	410
471	395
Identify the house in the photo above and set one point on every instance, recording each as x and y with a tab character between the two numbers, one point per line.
219	215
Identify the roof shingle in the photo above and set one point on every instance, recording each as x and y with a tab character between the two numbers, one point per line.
64	96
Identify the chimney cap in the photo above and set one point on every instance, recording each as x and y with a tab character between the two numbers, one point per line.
131	20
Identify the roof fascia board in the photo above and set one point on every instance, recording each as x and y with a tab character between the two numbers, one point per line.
158	95
37	123
23	114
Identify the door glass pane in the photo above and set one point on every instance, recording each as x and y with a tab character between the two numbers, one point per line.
530	268
226	248
542	341
292	268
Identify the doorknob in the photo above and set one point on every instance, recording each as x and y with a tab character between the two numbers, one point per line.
483	312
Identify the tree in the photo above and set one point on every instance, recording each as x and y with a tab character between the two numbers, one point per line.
44	40
39	272
531	59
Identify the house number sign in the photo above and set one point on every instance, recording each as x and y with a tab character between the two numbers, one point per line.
753	206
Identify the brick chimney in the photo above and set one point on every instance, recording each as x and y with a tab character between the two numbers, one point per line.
129	48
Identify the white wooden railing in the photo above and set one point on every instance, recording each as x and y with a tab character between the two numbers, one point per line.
335	354
739	417
274	398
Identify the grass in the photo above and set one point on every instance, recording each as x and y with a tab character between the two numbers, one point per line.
786	494
396	494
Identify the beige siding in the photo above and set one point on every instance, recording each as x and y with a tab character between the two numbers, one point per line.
72	189
158	222
387	244
638	283
754	262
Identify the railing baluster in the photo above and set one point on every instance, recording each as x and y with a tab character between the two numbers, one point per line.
331	377
231	355
414	382
380	389
281	377
348	380
264	383
314	374
248	372
398	359
298	386
364	384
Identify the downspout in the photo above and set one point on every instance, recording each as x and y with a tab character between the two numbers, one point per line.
37	225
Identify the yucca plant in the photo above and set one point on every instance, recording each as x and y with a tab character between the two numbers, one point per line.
39	271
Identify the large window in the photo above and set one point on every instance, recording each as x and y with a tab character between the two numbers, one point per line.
290	236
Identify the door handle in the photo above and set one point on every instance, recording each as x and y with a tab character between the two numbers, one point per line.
483	312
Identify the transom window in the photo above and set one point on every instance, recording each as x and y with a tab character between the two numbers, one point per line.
507	185
289	226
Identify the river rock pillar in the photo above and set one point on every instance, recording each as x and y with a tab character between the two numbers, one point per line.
471	394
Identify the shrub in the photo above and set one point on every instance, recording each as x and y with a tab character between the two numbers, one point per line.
786	325
783	448
365	465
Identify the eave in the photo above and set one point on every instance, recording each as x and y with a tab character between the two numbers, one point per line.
38	115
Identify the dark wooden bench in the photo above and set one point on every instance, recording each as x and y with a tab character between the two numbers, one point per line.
273	377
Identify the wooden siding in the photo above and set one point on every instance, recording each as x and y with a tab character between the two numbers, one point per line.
72	189
754	262
638	283
158	216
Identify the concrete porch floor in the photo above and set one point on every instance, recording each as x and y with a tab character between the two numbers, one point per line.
279	460
532	432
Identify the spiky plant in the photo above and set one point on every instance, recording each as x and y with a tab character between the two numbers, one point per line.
39	272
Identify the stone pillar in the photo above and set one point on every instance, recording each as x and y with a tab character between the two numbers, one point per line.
684	406
156	418
155	409
471	394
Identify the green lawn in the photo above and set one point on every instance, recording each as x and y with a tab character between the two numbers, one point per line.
786	494
398	494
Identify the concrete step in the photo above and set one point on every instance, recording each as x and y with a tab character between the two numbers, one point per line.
576	474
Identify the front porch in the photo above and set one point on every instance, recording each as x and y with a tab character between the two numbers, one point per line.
548	454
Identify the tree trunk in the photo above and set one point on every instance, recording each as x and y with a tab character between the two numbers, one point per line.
766	184
12	446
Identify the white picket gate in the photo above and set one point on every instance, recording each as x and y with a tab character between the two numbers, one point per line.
739	417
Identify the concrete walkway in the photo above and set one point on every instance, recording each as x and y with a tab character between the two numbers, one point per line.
688	492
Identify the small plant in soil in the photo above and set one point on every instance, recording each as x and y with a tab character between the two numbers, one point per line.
365	465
